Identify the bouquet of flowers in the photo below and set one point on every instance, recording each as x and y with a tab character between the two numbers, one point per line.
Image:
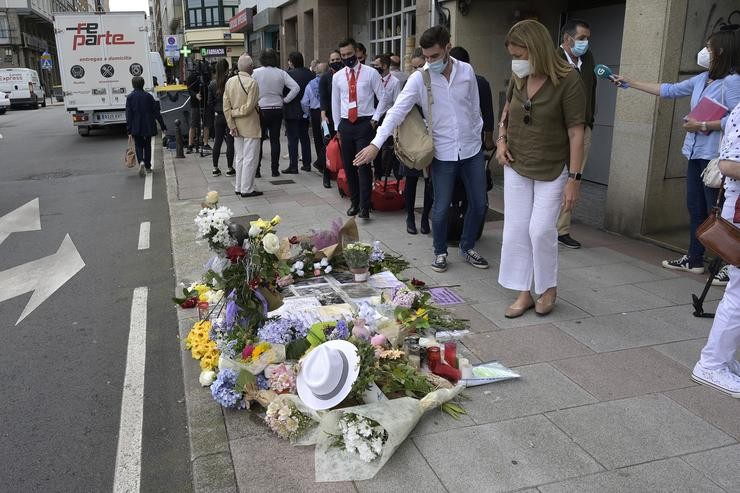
283	330
357	255
201	346
361	436
213	226
284	418
224	390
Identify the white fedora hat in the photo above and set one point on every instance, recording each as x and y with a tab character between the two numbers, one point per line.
327	374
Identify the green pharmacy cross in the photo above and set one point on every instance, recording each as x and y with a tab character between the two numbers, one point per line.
185	51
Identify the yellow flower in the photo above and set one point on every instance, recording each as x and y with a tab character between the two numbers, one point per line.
275	220
259	349
201	288
203	297
260	223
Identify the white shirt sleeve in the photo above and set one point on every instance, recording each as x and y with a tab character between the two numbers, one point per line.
336	102
291	85
405	102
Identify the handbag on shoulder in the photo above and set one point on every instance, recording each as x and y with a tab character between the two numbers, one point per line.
412	139
720	235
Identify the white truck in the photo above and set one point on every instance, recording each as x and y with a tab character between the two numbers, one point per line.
99	54
23	87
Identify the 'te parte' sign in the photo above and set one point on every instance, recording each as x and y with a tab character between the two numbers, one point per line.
86	34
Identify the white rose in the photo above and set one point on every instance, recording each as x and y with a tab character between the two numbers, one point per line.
299	265
271	243
328	269
207	377
254	231
212	197
316	266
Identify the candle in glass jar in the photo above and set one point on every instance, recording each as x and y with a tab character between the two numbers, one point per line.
414	356
203	310
451	353
433	357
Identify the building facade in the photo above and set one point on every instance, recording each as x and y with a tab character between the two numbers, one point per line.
207	33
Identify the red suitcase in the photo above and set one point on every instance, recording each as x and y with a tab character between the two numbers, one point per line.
387	195
342	184
334	156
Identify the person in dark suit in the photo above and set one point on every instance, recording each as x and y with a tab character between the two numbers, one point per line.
142	113
335	65
296	122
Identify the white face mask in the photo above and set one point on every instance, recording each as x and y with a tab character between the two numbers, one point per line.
704	58
520	68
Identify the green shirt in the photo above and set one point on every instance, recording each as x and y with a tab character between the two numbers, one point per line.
542	148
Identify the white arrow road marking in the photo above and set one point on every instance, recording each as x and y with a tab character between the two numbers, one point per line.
43	276
25	218
128	457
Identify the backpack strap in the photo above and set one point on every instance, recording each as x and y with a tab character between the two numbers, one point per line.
428	84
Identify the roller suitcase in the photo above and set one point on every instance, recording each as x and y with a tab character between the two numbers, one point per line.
387	195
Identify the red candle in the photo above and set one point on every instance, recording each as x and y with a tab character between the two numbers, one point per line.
433	357
448	372
451	353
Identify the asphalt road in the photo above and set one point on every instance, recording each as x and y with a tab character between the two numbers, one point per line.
62	367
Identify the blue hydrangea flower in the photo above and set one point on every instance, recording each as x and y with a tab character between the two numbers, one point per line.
341	331
222	390
282	330
227	347
262	382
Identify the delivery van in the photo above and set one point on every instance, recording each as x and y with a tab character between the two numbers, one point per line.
23	87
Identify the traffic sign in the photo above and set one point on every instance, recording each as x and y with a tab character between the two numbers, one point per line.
46	64
171	47
186	51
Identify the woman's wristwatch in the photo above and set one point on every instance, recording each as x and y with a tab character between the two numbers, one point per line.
575	176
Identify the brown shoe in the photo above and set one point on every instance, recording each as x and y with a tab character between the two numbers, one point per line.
543	306
516	311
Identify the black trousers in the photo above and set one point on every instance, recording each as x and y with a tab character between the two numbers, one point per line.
409	193
354	137
222	133
318	139
298	131
143	145
271	121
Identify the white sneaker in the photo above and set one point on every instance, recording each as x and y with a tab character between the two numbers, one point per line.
734	366
723	379
142	170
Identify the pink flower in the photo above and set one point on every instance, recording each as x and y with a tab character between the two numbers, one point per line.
247	352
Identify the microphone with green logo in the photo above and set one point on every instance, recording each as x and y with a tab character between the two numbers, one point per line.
604	72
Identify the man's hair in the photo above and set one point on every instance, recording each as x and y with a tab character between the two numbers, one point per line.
460	53
725	47
245	63
347	42
395	61
321	67
334	51
571	26
269	58
296	58
137	82
384	60
361	48
437	35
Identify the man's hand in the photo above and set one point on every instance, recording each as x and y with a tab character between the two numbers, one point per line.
234	132
691	125
503	156
366	156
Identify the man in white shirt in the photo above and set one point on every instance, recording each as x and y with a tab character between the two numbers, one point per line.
392	88
354	89
456	132
396	70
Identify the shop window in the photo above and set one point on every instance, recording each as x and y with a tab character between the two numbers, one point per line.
209	13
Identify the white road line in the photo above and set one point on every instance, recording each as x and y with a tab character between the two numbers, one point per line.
148	187
152	149
128	458
144	230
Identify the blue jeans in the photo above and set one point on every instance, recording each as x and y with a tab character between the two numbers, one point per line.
444	174
699	200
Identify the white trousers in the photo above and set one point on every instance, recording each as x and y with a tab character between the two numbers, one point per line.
530	246
246	154
724	338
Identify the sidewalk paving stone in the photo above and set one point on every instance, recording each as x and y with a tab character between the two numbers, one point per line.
495	310
627	330
670	475
683	352
627	373
504	456
720	465
678	291
714	407
541	388
615	299
525	345
408	471
639	429
602	276
589	257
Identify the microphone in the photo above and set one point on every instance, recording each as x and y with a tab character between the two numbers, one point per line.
604	72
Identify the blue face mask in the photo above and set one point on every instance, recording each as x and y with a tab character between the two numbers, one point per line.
580	47
438	66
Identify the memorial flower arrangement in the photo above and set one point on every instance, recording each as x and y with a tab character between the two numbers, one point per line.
361	436
284	418
201	347
224	390
213	227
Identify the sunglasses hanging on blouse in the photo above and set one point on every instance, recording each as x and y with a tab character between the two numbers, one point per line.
527	106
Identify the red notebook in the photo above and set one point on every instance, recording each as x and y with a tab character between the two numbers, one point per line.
708	110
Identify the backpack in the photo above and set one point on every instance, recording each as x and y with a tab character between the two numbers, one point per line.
412	139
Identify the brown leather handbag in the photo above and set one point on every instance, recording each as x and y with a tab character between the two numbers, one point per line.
720	235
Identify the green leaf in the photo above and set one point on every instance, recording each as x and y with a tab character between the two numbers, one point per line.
316	335
295	349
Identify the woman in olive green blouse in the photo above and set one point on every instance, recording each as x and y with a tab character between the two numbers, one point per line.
540	145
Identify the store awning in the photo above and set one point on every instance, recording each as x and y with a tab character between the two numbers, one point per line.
241	22
266	19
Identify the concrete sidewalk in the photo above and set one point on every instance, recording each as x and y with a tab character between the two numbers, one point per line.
605	402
